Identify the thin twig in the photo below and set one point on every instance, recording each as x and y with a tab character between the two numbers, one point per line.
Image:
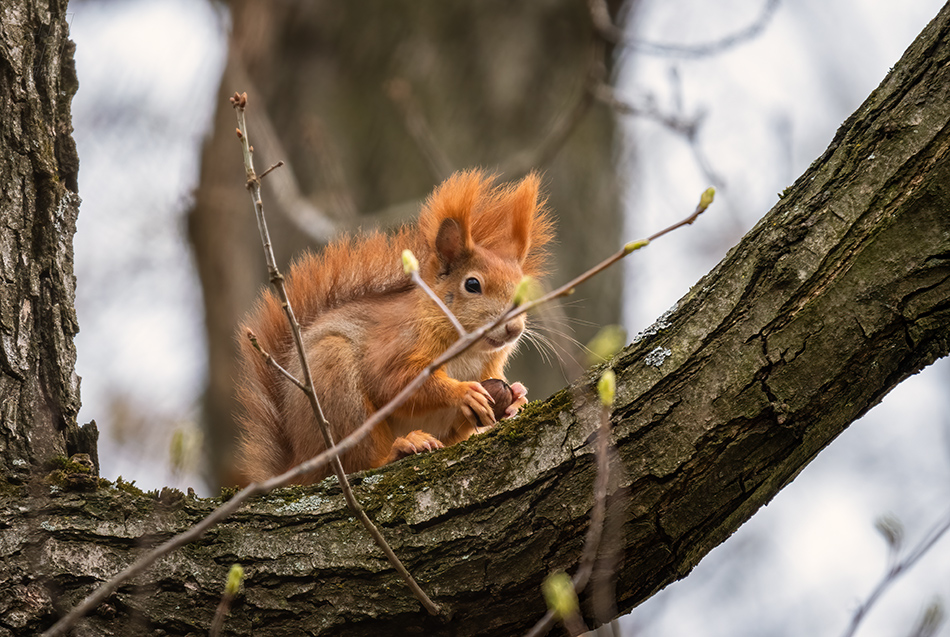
320	460
310	219
896	570
583	573
568	288
603	592
688	128
417	279
224	607
598	513
266	172
270	360
254	187
595	528
575	625
612	33
685	126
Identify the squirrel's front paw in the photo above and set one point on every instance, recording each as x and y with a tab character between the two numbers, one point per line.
414	442
477	405
519	398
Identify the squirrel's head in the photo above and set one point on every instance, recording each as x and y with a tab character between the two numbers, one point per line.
482	239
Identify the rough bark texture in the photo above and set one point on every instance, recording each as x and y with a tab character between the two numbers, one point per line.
490	78
838	294
39	390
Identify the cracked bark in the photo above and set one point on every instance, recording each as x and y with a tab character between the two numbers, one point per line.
834	297
39	390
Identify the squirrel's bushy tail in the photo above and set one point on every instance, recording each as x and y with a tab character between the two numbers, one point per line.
349	268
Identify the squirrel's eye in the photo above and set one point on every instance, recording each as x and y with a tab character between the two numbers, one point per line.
473	285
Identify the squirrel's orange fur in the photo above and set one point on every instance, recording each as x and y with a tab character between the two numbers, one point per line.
368	331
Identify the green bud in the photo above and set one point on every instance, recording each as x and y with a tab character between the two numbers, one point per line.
607	388
184	448
707	198
526	291
635	245
235	577
559	593
605	344
177	449
409	262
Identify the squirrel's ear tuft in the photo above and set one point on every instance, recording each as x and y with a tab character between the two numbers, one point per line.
455	199
449	245
531	226
523	204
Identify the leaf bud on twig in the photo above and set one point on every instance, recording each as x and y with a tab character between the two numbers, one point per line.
635	245
560	595
409	262
526	291
605	344
235	577
607	388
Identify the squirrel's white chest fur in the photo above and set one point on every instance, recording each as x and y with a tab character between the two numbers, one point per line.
469	366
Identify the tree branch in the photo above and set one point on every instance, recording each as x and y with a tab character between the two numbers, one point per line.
615	35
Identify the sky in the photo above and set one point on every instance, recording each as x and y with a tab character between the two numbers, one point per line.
148	75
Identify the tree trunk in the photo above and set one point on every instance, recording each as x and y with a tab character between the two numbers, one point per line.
838	294
39	389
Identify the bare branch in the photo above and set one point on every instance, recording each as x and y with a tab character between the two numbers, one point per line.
417	279
594	530
686	127
268	171
270	360
615	35
897	569
231	588
299	210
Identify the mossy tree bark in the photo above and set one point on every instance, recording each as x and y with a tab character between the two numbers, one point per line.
39	389
838	294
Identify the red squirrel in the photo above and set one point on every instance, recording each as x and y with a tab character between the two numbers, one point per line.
368	331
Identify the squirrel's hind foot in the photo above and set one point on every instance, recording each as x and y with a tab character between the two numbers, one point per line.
414	442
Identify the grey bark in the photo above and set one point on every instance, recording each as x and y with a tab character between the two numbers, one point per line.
39	389
838	294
